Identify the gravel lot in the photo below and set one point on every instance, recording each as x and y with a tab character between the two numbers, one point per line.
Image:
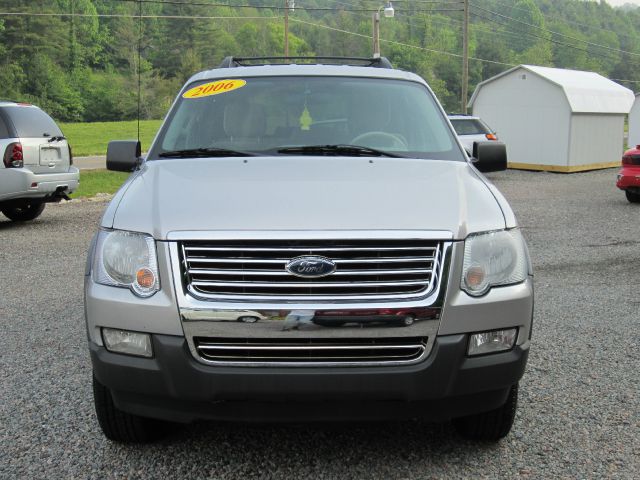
579	413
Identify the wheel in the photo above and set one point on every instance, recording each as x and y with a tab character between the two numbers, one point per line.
23	211
248	319
632	197
490	426
365	139
120	426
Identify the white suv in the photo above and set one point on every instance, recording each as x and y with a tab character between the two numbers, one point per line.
470	130
36	161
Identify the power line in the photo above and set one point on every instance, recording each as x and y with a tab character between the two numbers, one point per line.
552	32
122	15
393	42
271	7
547	39
621	80
594	27
257	7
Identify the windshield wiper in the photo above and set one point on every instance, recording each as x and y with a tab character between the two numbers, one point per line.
205	152
339	149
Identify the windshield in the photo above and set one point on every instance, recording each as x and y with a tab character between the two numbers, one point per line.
268	115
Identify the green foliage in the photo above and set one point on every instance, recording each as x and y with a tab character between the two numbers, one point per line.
90	68
51	88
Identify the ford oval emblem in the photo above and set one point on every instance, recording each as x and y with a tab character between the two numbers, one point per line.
311	266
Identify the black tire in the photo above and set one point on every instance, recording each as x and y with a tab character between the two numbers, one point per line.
23	211
120	426
632	197
490	426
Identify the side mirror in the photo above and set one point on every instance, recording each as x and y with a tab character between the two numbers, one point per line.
123	155
490	156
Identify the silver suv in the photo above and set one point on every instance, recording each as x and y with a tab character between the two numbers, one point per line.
471	130
37	163
307	242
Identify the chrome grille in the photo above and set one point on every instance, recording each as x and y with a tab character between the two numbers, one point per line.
246	269
343	351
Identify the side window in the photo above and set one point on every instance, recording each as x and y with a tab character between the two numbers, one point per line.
4	131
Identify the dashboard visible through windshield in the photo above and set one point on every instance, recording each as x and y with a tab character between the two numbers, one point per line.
278	115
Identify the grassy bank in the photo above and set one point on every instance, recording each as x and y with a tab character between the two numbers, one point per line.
98	181
92	138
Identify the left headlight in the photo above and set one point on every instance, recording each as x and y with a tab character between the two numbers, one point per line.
128	260
493	259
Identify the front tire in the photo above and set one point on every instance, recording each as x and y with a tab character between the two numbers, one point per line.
120	426
490	426
632	197
23	211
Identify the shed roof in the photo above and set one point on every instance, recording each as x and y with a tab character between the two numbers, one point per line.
586	92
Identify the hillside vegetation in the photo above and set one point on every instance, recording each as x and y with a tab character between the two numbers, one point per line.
79	59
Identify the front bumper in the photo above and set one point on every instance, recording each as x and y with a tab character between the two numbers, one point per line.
628	178
26	184
179	385
173	386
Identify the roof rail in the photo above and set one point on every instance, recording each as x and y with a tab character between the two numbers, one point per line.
230	62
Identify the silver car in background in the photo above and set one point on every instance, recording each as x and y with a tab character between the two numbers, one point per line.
307	242
36	161
471	129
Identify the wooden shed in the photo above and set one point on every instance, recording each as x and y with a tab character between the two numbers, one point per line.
555	119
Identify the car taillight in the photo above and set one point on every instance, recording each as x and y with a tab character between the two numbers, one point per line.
70	155
13	156
491	136
631	159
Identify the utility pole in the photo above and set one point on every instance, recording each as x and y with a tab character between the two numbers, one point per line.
465	56
286	28
72	38
376	34
389	12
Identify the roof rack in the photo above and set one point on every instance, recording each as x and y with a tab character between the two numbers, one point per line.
231	62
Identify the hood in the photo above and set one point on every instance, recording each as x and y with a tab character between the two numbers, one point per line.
304	193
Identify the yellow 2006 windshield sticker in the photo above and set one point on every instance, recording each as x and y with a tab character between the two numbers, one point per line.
213	88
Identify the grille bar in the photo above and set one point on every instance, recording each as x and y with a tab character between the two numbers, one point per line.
283	261
365	269
306	249
196	271
305	284
311	351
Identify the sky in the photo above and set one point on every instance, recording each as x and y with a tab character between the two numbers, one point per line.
617	3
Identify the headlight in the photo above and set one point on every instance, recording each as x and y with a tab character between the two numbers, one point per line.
492	259
127	259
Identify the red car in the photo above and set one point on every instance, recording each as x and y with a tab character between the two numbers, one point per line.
629	174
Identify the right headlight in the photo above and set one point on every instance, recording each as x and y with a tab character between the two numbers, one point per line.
492	259
126	259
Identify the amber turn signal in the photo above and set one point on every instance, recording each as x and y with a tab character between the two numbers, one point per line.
145	278
491	136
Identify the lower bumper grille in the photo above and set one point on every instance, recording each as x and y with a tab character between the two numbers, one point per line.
309	352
